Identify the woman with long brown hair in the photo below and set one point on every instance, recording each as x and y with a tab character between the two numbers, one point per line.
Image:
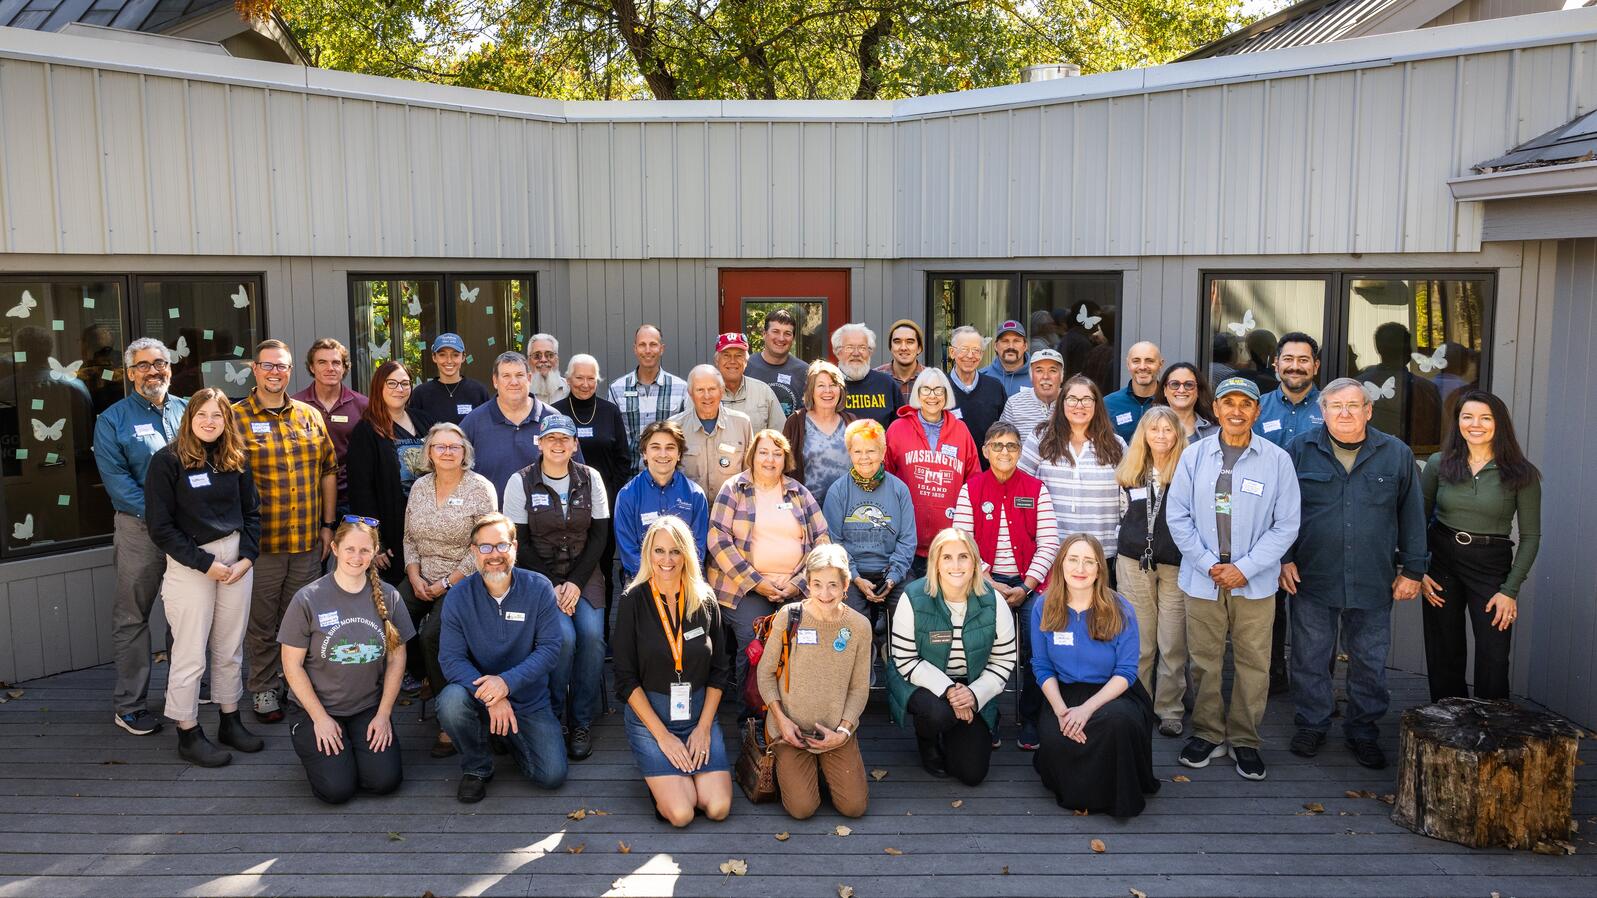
1096	753
343	640
203	511
1075	454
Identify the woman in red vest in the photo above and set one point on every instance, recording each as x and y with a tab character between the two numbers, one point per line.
933	453
1011	517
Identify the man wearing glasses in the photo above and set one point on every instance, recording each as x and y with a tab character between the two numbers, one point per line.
501	640
125	436
546	383
979	397
291	457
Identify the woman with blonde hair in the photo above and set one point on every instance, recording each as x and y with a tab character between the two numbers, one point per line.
814	706
672	665
343	639
1096	753
1149	563
816	430
203	511
953	649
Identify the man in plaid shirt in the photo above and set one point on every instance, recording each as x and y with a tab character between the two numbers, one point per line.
648	393
291	457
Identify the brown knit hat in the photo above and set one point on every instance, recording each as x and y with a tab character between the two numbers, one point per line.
920	335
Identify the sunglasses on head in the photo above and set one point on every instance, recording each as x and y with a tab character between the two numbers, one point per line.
357	519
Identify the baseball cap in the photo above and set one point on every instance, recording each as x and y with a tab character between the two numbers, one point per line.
732	341
1048	355
556	424
1237	385
1011	326
449	341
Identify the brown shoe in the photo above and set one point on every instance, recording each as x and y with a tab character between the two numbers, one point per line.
442	747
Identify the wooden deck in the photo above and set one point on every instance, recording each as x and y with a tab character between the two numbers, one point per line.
86	809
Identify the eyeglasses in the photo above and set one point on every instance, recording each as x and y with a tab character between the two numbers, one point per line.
544	354
1348	408
357	519
272	367
1082	563
490	548
397	384
966	350
1004	447
147	367
1079	401
933	391
1181	386
448	448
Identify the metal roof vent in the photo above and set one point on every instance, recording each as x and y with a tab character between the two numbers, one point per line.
1049	71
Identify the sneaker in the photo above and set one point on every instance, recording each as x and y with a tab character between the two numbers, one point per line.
1170	726
472	788
1368	753
1306	743
579	745
1028	740
139	723
410	686
1199	752
267	708
1250	766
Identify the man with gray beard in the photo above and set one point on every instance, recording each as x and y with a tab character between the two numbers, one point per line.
547	384
866	392
125	436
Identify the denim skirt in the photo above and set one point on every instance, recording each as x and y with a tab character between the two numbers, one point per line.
651	760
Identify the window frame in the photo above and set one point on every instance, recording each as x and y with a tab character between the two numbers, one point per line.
447	289
1018	279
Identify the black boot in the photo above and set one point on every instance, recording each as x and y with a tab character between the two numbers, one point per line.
931	757
231	732
192	746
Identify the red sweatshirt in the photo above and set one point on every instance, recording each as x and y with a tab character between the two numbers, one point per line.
933	474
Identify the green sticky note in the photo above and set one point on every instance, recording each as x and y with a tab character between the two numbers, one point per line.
37	405
58	325
489	310
20	356
173	313
88	302
63	499
105	374
22	455
490	341
206	367
208	334
50	458
238	352
468	359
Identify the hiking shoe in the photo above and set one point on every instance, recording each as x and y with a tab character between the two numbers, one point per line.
192	746
1170	726
1306	743
579	745
139	723
410	686
472	788
1250	766
1199	752
267	707
1368	753
1028	740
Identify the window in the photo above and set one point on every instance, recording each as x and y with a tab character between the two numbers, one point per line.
813	329
211	326
402	315
1248	314
1076	314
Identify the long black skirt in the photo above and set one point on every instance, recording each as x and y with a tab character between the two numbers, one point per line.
1113	771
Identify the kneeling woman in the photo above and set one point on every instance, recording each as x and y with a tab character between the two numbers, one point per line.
343	642
814	706
952	653
1096	754
672	665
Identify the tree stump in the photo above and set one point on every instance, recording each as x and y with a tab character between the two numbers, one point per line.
1484	773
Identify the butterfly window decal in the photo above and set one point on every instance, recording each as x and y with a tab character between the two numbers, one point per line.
379	351
469	296
1243	327
413	307
64	373
181	350
1376	393
23	530
241	298
1436	361
1087	321
24	306
50	432
236	375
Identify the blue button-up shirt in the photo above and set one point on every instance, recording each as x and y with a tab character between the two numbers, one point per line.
1281	419
1013	381
1125	409
1358	525
125	436
1264	516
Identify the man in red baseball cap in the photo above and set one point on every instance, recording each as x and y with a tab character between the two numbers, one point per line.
745	394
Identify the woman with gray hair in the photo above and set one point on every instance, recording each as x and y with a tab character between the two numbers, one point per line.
933	453
601	431
444	504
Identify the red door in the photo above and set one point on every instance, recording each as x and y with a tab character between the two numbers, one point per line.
817	297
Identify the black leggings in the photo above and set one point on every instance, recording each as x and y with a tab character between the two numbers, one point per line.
1469	576
967	747
335	778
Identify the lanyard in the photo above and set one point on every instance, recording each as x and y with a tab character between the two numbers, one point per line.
1151	505
673	632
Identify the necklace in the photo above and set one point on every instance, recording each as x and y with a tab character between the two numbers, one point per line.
591	415
450	391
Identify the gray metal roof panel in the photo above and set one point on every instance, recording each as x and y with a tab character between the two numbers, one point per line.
1573	141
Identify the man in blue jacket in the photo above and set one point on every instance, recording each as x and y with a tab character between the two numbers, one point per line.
500	640
1361	545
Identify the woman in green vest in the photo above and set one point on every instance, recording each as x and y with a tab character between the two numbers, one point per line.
952	654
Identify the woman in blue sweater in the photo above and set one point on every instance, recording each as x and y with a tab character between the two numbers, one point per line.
659	489
1098	754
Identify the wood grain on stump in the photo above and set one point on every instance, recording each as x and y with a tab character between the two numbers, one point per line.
1485	773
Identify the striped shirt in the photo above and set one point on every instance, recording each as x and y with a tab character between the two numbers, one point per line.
1003	561
920	672
1026	411
729	571
667	396
289	452
1086	495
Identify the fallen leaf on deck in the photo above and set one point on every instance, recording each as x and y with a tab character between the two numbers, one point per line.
735	867
1098	847
1314	807
623	848
841	830
844	891
1138	893
958	802
892	851
782	836
1389	798
595	812
1081	812
1181	778
1005	871
577	848
15	693
878	774
578	814
395	837
1554	847
160	657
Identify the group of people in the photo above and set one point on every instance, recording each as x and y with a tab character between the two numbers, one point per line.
939	532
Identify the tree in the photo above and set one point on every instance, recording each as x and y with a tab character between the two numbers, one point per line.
742	49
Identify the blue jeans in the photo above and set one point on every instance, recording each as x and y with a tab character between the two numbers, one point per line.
580	671
538	747
1366	637
1029	701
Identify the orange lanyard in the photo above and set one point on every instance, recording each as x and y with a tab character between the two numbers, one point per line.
673	633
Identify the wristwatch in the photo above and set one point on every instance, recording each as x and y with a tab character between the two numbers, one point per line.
329	525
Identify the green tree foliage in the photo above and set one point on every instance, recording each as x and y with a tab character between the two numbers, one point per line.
742	49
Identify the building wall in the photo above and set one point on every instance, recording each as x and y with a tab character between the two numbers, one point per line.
1481	10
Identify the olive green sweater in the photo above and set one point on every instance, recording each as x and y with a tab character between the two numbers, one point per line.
1483	505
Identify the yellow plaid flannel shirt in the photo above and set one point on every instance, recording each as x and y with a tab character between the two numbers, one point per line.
289	452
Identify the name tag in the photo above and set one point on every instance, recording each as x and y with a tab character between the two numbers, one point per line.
785	506
648	517
260	427
144	430
1139	492
454	501
784	378
806	636
694	633
339	419
941	637
517	616
538	500
1064	637
1025	502
584	433
948	449
199	480
727	449
1123	418
463	408
681	697
327	619
1272	426
630	394
1252	487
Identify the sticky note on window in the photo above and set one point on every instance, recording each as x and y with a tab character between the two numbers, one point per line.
238	352
20	356
37	405
50	458
173	313
105	374
63	499
490	341
22	455
468	359
58	325
208	334
206	367
489	310
88	302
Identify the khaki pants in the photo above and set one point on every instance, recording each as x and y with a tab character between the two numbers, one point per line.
278	575
1248	622
1161	609
797	779
208	620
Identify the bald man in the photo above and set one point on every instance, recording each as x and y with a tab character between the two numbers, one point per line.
1125	406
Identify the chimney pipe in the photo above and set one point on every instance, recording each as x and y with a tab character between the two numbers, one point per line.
1049	71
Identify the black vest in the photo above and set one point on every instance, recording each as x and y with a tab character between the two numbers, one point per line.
1133	539
557	539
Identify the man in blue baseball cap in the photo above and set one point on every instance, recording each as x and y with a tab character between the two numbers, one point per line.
1009	358
449	396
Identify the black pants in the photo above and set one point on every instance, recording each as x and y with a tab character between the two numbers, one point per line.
967	747
1469	576
335	778
429	631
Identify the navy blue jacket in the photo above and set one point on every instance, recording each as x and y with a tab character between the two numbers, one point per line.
1357	526
519	640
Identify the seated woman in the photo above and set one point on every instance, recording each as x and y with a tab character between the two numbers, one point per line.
1096	753
871	515
814	706
343	641
672	665
952	653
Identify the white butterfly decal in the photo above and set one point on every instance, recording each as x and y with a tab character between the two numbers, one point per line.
236	375
23	530
469	295
1241	328
1087	321
181	350
241	299
62	372
1436	361
413	308
379	352
1387	390
52	432
24	307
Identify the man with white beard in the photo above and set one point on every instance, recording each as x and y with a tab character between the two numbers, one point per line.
547	384
866	392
